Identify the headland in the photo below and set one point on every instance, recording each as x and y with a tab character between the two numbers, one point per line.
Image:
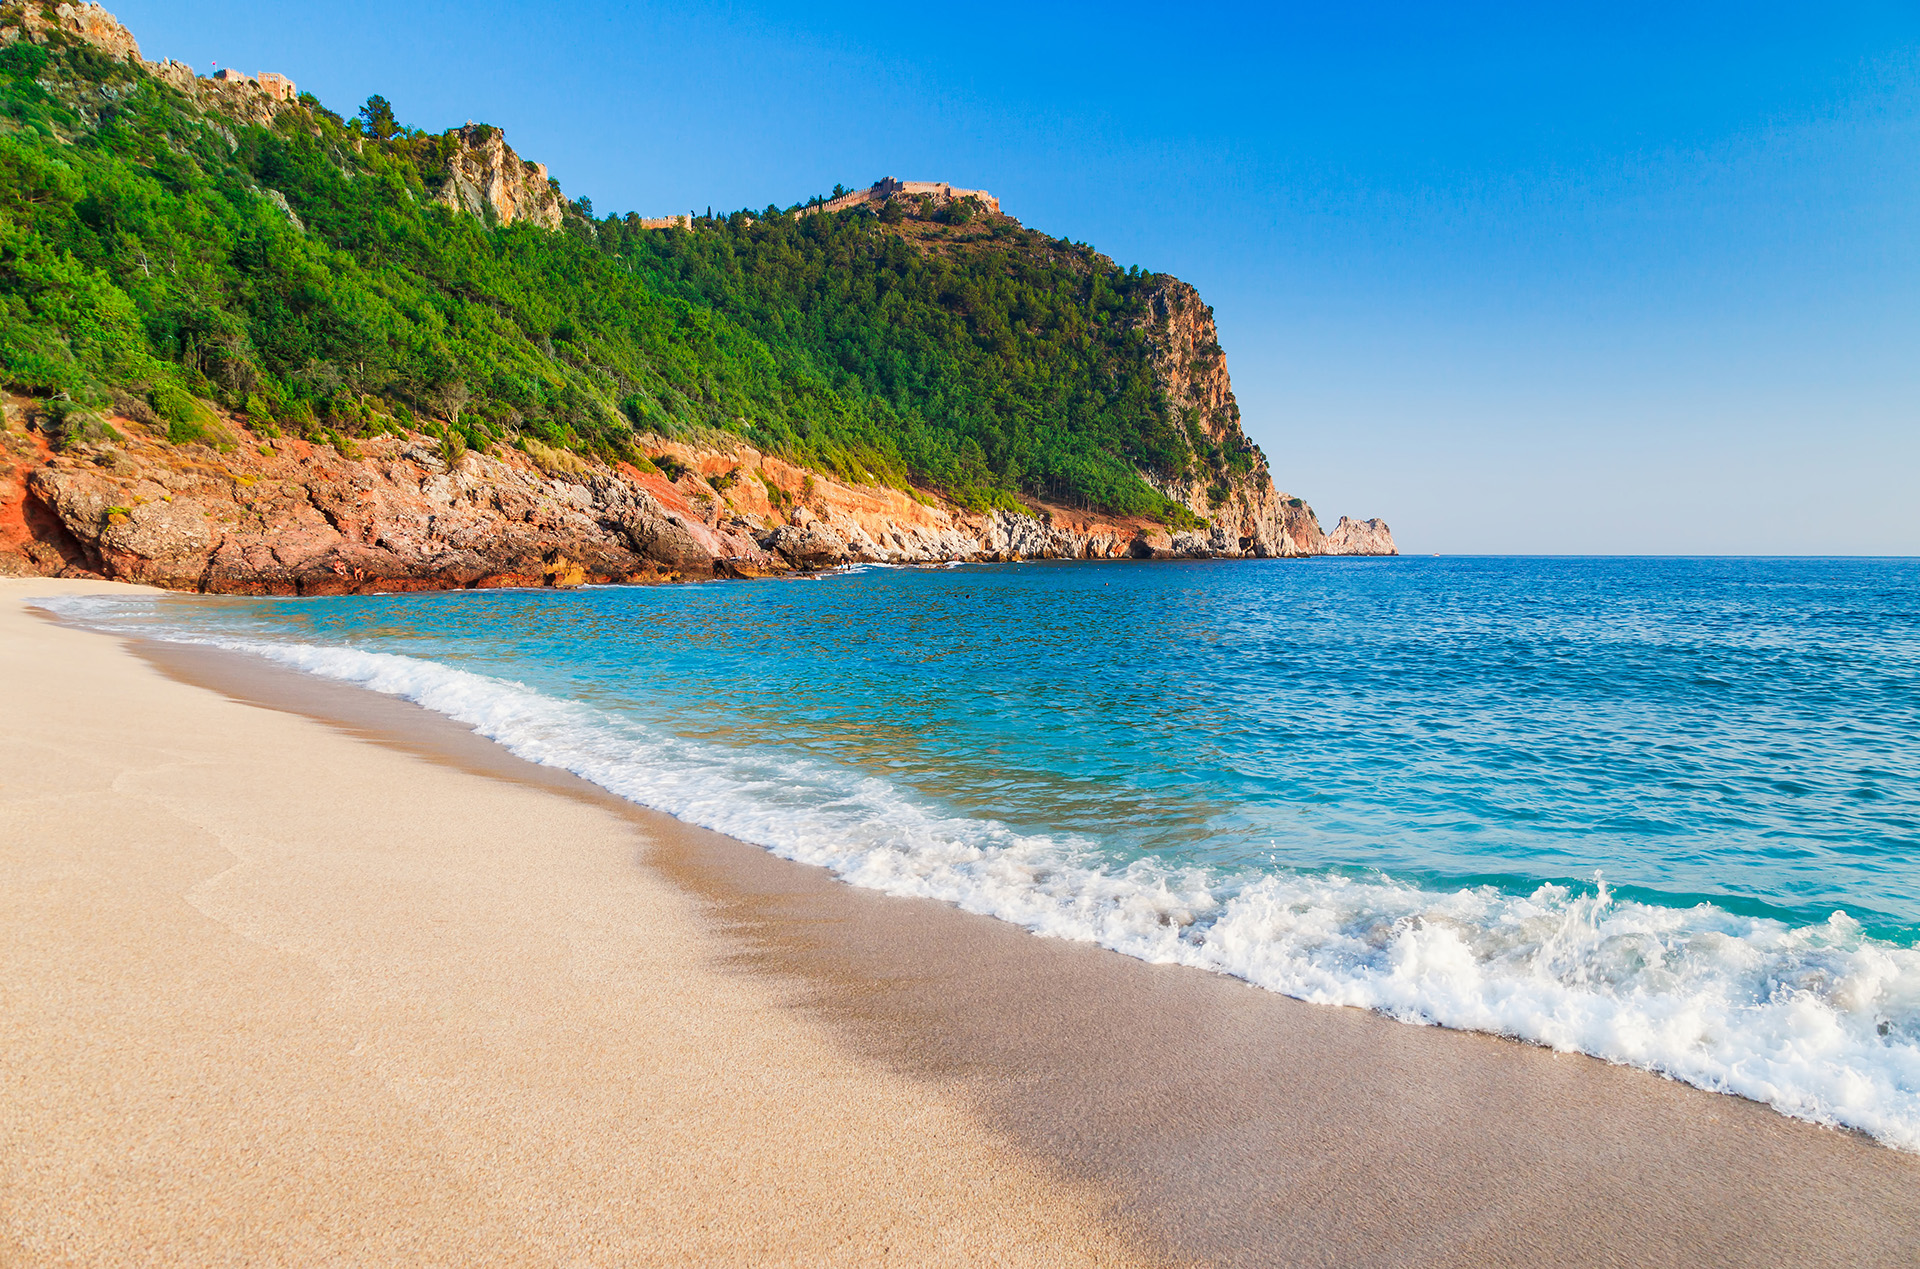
400	360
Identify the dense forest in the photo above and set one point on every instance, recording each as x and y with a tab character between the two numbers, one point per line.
158	257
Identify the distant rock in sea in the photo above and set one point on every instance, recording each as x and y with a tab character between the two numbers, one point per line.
1360	537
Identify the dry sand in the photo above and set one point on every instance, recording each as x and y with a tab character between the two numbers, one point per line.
270	995
397	992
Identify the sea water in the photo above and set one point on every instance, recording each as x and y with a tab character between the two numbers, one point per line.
1665	812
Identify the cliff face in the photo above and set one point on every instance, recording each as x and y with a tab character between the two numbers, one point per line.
1228	484
484	174
88	22
241	98
1233	488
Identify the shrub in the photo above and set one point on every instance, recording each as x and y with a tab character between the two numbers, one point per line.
69	424
958	211
453	445
553	461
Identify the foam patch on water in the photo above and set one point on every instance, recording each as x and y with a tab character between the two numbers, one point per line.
1821	1021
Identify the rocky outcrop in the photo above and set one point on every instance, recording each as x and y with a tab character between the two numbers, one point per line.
288	517
1229	484
87	22
482	176
251	99
485	177
1360	537
282	516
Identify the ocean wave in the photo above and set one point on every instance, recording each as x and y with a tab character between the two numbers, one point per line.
1821	1021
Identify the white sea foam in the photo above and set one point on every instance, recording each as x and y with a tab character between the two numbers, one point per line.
1819	1021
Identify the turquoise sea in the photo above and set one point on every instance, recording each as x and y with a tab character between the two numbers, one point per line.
1666	812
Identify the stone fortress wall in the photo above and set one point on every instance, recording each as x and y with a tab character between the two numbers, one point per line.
939	192
887	187
273	84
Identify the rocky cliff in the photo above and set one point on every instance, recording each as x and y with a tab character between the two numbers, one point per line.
1234	492
89	22
484	176
109	496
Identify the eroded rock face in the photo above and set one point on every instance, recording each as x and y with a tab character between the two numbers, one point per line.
301	519
485	177
289	517
1247	515
505	521
89	22
1361	537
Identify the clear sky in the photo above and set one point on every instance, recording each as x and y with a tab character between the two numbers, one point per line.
1549	278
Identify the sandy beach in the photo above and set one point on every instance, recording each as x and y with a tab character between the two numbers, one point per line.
272	995
296	973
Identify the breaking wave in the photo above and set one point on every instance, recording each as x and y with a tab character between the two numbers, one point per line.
1820	1021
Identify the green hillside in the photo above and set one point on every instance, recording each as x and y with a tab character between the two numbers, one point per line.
146	259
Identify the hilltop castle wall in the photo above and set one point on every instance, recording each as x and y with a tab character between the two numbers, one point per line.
940	192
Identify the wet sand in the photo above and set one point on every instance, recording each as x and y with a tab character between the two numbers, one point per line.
1190	1116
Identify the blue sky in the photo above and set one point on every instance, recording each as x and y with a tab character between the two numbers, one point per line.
1546	279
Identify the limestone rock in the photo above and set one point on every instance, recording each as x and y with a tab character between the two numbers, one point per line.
1361	537
484	176
1246	514
298	518
157	533
88	22
286	209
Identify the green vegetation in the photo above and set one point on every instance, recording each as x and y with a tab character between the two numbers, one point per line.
1012	363
149	261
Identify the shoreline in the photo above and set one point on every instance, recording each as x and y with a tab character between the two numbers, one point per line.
1222	1122
275	995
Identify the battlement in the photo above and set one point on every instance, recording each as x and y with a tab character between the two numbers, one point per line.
682	221
274	85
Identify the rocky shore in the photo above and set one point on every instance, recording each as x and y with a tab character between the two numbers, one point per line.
248	514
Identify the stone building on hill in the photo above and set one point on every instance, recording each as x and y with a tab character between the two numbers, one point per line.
274	85
937	192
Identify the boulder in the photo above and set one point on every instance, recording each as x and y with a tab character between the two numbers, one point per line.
815	546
